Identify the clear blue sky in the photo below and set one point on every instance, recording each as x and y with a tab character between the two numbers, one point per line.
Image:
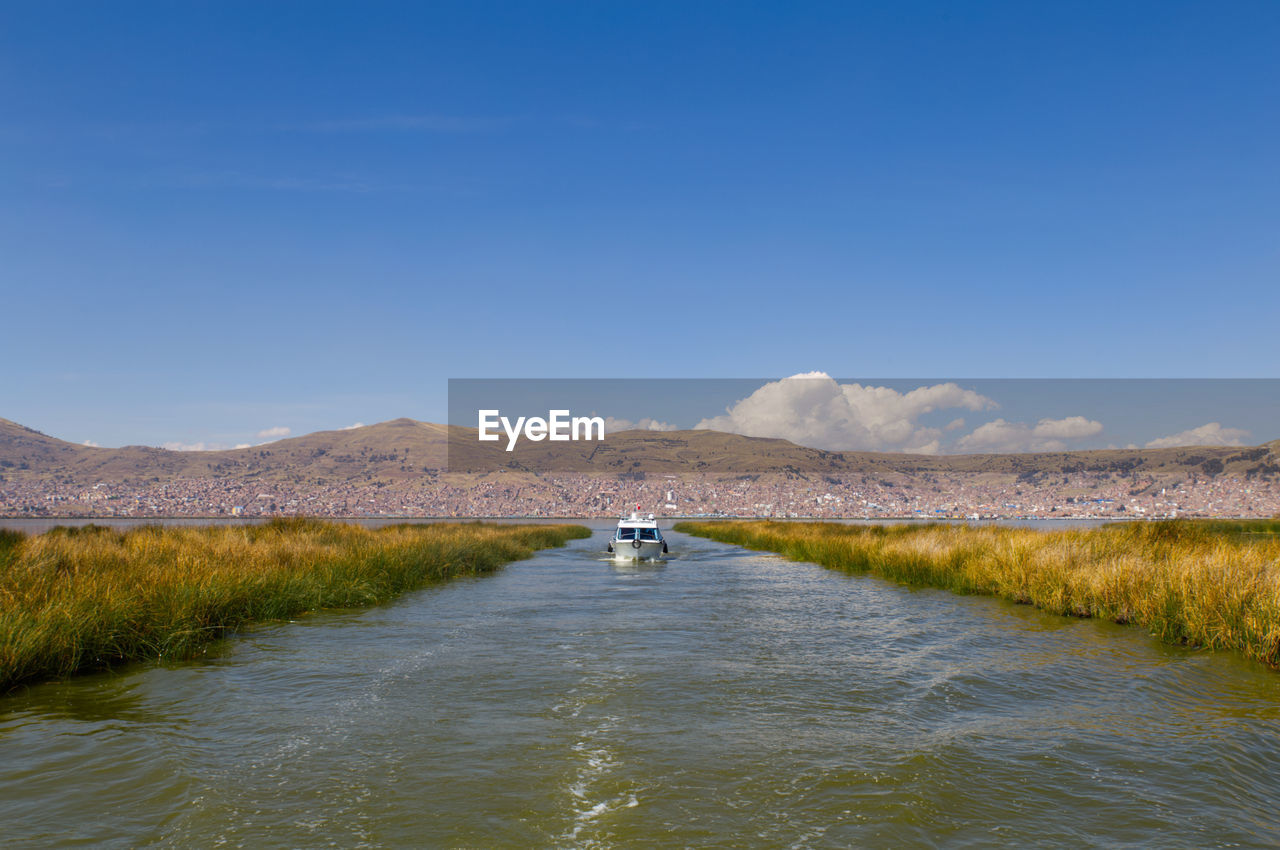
218	218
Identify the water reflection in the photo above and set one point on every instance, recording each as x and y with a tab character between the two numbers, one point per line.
634	568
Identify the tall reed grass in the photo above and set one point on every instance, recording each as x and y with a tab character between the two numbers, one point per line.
75	599
1204	585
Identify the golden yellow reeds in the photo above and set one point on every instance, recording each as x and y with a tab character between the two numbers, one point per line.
75	599
1198	584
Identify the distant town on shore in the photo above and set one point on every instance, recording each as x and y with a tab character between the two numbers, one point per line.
402	468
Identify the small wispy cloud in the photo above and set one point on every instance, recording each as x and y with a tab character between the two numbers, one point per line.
132	132
1047	435
279	183
613	424
352	427
1211	434
266	435
404	123
91	444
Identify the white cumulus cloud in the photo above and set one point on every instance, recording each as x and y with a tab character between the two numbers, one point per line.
347	428
274	433
813	409
1047	435
1211	434
91	444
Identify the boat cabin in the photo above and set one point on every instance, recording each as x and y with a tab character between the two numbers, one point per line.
639	532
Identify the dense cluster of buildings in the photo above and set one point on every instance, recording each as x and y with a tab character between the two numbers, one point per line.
1084	495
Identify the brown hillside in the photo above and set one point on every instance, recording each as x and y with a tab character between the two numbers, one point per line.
713	452
397	449
405	449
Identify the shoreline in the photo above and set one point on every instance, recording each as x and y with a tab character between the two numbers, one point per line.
39	524
77	599
1191	583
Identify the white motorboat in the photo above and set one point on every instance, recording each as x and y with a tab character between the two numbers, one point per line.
637	538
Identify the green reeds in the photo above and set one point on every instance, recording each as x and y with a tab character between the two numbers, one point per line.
1207	585
76	599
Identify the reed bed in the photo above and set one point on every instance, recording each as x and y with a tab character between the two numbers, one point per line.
1204	585
76	599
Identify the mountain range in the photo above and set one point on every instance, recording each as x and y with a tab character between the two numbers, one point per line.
404	449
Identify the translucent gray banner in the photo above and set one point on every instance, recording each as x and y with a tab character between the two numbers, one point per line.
815	424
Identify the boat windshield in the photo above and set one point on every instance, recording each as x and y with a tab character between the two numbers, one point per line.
626	534
649	534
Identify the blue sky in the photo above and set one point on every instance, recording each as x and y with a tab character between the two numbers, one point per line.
222	218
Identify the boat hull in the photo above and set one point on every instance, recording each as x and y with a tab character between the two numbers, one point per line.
623	550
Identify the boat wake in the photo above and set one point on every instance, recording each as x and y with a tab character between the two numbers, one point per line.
595	789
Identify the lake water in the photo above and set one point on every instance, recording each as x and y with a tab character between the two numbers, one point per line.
723	698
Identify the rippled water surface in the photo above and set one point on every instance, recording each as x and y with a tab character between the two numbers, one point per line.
722	698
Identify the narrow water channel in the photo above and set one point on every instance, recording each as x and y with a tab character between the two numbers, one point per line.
721	698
